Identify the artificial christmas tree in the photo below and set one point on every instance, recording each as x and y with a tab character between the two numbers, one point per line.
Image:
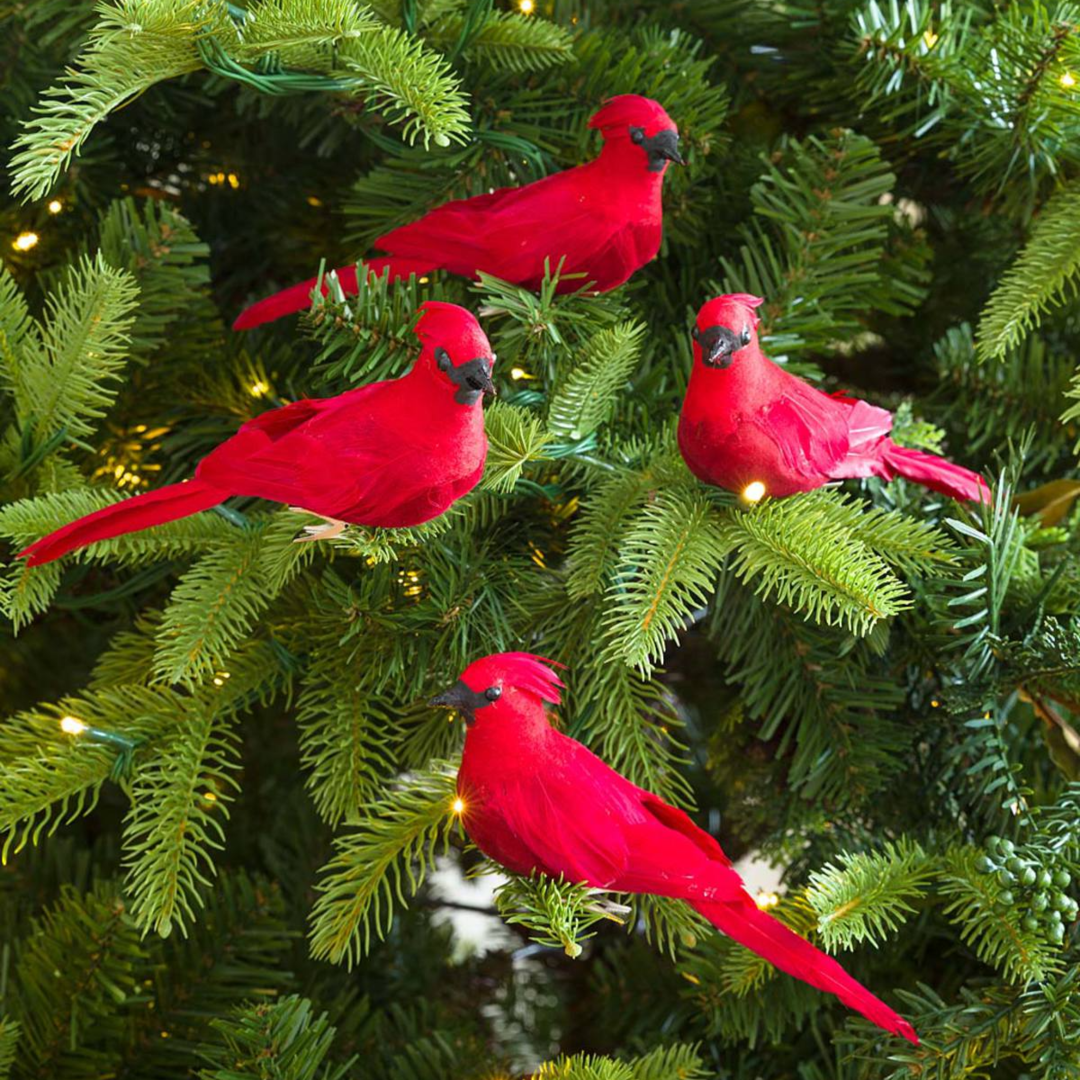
231	840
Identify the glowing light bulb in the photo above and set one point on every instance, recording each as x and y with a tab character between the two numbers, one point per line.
72	725
754	492
458	806
1068	80
766	899
526	7
517	373
55	206
257	389
234	181
209	796
930	38
25	241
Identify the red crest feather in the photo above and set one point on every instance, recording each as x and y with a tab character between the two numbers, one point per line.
523	671
626	109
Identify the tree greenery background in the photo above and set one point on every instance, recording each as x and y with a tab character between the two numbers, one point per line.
221	795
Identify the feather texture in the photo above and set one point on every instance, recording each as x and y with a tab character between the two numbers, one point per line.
537	801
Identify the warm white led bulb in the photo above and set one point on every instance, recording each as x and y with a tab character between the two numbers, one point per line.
458	806
72	725
754	492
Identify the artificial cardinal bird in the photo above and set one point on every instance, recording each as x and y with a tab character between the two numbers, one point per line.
391	454
749	426
536	800
603	217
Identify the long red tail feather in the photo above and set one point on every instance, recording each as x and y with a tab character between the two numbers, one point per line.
298	297
935	473
784	949
131	515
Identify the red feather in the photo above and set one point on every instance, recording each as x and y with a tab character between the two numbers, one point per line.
538	801
603	218
752	421
391	454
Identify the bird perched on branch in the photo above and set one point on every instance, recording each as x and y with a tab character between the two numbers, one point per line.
391	454
603	218
536	800
747	424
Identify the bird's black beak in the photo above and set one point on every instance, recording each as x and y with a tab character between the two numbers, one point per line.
719	344
460	697
661	148
479	377
665	146
473	377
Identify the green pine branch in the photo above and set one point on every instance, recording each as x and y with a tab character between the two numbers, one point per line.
674	1062
980	905
218	601
507	41
49	778
1026	391
799	552
158	246
179	802
555	913
285	1040
380	865
347	736
668	563
815	247
515	437
337	46
74	974
1043	275
867	896
589	386
9	1037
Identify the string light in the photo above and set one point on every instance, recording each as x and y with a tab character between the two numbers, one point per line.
519	373
766	899
930	38
1068	80
25	241
935	704
209	796
314	200
754	492
259	388
458	806
72	725
55	206
526	7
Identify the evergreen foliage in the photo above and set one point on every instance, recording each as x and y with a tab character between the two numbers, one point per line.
229	840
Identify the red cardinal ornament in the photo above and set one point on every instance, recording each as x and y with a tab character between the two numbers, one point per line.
604	217
746	422
391	454
536	800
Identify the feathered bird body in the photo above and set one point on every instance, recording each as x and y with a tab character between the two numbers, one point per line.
603	218
395	453
535	800
746	419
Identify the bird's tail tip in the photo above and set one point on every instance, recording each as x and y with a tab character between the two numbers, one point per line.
936	473
906	1031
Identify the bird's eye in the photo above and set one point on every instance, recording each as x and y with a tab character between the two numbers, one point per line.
744	337
442	358
493	693
696	332
637	134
